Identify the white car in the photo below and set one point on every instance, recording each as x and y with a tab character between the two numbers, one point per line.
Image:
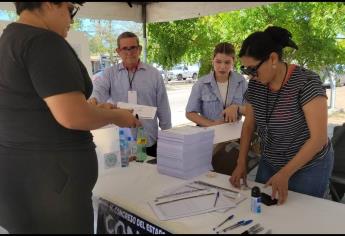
182	72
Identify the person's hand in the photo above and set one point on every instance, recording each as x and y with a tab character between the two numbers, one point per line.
280	186
92	101
217	122
239	173
125	118
107	106
230	113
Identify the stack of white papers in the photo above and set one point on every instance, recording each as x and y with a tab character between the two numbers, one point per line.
185	152
227	132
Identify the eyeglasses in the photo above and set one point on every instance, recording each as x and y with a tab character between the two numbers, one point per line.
252	71
130	49
72	10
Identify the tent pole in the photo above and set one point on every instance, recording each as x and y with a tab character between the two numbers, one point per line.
143	7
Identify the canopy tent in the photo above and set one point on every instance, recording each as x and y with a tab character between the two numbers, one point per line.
147	12
155	11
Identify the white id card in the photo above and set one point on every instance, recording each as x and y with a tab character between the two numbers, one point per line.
132	97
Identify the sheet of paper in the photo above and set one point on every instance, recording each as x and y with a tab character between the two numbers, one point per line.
227	132
144	112
192	199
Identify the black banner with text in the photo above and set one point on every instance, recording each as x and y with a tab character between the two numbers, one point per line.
113	219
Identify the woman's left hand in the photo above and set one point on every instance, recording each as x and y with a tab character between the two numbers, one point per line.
280	185
230	113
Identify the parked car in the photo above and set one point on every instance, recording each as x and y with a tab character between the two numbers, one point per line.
182	72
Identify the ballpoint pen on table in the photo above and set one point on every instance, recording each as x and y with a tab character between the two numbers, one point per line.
177	194
214	186
238	224
258	230
226	220
215	201
251	229
179	199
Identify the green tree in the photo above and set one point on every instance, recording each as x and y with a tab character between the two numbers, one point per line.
314	26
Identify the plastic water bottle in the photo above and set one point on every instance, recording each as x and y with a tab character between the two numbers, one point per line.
124	150
132	148
256	200
141	145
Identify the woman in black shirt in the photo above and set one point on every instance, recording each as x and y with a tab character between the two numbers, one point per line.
48	164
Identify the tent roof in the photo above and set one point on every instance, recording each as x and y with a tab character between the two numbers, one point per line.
155	11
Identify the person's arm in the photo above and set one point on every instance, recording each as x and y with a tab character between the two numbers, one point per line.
101	88
233	112
72	111
163	107
193	108
315	113
248	127
201	120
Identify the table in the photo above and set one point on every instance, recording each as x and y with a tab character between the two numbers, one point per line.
131	188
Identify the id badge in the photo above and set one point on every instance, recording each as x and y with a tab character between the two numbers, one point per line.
132	97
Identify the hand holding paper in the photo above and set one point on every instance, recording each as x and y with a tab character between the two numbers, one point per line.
144	112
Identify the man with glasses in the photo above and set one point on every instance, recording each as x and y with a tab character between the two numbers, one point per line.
134	82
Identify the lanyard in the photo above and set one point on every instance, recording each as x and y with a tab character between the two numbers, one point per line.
131	80
227	90
268	116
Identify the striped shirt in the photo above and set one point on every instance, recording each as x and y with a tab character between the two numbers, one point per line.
286	130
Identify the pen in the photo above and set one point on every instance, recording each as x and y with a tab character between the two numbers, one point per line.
215	201
227	219
238	224
251	229
214	186
179	199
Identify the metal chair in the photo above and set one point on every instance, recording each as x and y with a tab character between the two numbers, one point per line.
224	159
337	180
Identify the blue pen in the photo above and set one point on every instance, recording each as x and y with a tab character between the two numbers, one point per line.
215	201
226	220
238	224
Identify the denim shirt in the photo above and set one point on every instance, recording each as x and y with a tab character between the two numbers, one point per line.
205	97
112	85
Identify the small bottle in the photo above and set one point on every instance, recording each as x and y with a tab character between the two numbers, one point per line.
124	150
134	148
256	200
131	144
141	145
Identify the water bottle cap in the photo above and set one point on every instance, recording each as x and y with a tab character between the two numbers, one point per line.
129	138
256	191
122	132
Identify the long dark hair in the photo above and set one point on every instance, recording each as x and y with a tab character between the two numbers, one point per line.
260	45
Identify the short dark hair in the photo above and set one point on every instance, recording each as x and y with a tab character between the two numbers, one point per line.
261	44
225	48
126	35
21	6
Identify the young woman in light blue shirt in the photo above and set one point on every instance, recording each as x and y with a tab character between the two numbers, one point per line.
217	98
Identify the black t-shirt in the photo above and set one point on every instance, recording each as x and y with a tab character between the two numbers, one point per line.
37	63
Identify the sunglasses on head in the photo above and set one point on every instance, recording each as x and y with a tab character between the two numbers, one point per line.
73	10
252	70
